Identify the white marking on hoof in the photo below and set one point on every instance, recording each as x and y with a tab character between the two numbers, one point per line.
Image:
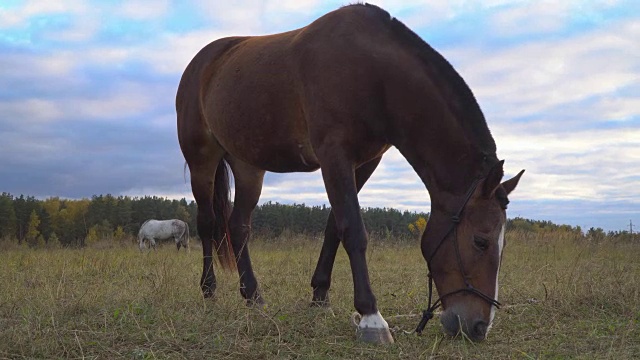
374	321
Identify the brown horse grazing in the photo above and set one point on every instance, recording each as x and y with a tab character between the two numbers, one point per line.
335	95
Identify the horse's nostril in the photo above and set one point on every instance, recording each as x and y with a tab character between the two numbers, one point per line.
450	322
480	329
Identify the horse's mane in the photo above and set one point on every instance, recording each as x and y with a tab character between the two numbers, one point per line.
468	111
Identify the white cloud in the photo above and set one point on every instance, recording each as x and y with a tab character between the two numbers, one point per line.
587	165
20	15
126	101
34	65
299	6
229	14
82	28
617	108
175	51
535	77
531	17
129	102
144	9
108	55
30	111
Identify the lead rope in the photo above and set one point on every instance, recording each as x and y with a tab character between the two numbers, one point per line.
428	313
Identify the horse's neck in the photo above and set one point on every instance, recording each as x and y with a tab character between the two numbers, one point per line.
447	167
438	126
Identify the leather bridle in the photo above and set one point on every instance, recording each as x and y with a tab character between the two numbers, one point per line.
455	220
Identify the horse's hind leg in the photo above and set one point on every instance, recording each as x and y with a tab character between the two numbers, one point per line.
321	280
203	171
248	186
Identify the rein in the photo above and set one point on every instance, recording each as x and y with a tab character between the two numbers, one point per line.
455	220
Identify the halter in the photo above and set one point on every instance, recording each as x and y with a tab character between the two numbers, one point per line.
455	220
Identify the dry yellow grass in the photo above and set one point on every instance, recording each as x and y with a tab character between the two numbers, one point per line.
563	300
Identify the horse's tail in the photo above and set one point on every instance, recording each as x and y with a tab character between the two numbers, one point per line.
221	211
184	172
189	108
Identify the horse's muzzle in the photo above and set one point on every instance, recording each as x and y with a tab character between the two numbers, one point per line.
474	329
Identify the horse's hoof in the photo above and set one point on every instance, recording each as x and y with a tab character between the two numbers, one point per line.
208	291
374	335
320	303
257	302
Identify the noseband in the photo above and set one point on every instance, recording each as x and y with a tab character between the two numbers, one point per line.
455	220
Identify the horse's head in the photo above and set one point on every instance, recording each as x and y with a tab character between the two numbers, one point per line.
464	251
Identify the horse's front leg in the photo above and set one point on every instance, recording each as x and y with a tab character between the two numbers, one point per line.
339	179
321	280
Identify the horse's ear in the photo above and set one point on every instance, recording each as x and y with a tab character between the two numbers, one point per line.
511	184
492	181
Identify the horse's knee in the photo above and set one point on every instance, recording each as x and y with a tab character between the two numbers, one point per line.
354	240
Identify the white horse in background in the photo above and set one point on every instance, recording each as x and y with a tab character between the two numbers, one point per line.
155	230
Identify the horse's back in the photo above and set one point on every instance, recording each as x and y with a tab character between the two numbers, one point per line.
159	229
267	100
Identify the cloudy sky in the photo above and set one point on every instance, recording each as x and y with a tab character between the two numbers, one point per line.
87	93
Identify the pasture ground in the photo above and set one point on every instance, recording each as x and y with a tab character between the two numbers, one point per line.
563	300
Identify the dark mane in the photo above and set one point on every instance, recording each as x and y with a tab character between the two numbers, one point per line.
468	111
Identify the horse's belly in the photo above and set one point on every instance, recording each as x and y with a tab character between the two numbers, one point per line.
273	138
280	157
291	162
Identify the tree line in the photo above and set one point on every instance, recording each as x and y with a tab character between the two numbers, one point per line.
65	222
78	222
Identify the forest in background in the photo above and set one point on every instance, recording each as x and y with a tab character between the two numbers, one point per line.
75	223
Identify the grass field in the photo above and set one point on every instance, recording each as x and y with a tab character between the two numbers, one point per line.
562	300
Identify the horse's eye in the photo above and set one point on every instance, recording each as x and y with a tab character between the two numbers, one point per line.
481	243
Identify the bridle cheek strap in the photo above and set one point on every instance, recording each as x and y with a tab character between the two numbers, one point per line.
455	220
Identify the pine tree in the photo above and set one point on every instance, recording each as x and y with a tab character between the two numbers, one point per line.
52	207
182	213
40	243
8	220
53	242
